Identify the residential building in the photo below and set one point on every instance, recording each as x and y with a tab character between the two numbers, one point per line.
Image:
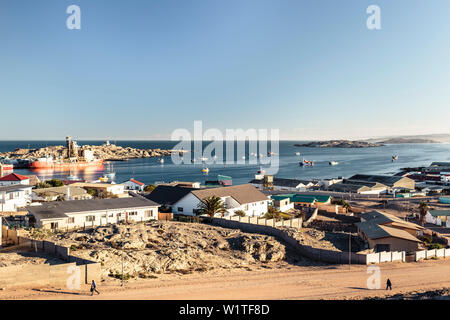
361	187
185	201
438	217
282	184
392	182
282	203
95	212
134	185
384	238
385	232
184	184
114	189
305	199
390	220
14	178
57	193
14	196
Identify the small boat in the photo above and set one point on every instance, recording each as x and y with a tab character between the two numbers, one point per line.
243	157
394	158
333	163
271	153
161	160
193	160
204	159
306	163
205	170
297	153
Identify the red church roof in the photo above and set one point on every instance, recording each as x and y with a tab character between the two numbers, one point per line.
14	177
137	182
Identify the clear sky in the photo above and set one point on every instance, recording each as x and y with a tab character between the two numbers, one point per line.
139	69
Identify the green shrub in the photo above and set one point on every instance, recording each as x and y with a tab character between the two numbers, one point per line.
239	213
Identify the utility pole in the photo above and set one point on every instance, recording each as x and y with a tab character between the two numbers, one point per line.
349	249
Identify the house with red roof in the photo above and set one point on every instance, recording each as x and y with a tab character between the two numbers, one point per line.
14	178
134	185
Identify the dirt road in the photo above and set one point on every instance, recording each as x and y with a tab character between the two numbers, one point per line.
334	282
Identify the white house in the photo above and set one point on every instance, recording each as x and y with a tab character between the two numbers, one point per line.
14	178
96	212
283	184
115	189
185	201
14	196
55	193
134	185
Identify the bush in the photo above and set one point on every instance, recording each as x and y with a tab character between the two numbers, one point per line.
239	213
435	246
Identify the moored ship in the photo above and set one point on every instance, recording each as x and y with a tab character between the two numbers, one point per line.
72	158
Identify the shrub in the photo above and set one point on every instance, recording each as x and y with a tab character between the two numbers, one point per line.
435	246
239	213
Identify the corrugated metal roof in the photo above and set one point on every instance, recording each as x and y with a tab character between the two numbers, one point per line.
59	209
376	231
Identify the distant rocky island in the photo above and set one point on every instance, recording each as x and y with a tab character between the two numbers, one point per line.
106	152
408	140
339	144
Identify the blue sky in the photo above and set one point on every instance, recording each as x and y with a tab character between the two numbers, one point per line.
140	69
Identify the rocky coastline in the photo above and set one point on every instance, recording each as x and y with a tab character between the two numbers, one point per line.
106	152
339	144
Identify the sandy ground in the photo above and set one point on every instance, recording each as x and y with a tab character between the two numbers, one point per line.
331	282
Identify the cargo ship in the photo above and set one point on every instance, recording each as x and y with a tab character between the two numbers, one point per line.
73	157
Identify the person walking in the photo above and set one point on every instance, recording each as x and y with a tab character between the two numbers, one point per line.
94	287
388	284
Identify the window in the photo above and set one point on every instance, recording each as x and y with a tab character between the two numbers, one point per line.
90	218
148	213
133	213
180	209
71	220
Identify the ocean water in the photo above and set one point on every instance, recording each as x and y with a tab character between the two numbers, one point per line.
351	161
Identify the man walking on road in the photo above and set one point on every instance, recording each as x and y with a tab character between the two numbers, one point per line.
94	288
388	284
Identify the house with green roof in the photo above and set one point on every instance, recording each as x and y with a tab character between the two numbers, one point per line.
304	199
438	217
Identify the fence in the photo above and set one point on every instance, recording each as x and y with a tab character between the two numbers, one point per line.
293	223
428	254
45	274
329	256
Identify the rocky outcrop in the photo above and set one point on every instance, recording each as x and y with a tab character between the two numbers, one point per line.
339	144
107	152
152	248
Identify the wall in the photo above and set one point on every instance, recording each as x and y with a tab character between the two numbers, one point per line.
395	244
428	254
269	227
46	275
312	253
102	217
